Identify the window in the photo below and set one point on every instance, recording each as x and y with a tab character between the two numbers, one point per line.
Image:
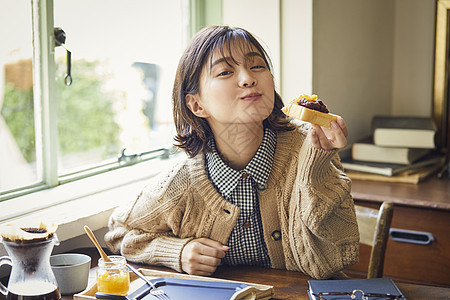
123	57
17	134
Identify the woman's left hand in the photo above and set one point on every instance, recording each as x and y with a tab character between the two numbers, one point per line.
329	139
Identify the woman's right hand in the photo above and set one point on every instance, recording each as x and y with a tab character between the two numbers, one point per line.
202	256
329	139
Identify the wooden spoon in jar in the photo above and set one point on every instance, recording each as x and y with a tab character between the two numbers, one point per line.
96	243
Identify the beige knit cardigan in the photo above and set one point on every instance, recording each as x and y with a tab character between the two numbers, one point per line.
307	199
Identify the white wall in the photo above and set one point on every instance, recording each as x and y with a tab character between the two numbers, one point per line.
414	35
296	48
374	57
352	68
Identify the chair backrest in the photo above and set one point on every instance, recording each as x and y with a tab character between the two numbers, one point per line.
374	227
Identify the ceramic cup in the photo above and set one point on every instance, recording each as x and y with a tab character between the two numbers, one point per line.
71	271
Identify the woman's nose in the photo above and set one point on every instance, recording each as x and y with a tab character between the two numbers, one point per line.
247	79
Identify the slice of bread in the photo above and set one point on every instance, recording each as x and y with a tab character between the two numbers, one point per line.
308	115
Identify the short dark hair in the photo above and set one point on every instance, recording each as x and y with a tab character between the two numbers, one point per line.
193	132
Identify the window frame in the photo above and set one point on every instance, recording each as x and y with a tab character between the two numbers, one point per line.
44	95
44	92
54	190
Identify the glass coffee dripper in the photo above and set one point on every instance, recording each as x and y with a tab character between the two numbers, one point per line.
31	275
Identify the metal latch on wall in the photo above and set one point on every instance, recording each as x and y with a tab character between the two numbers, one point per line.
60	39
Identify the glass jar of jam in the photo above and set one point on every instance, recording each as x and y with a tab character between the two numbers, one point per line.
113	277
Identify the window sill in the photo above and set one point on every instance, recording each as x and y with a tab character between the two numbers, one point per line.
89	201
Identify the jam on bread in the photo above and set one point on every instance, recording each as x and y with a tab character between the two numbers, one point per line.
312	102
310	109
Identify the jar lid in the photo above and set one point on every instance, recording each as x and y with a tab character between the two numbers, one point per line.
116	261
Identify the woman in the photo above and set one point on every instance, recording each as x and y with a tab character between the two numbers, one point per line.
256	189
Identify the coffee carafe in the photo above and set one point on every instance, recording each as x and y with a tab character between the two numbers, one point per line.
31	275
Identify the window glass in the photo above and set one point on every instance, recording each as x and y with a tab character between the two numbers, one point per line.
123	60
17	134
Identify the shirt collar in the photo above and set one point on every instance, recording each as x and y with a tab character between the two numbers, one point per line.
226	179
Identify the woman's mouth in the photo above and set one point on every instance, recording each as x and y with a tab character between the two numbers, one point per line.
251	97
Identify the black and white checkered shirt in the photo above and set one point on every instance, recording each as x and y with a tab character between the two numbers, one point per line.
246	242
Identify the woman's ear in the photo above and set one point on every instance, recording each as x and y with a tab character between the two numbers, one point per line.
193	103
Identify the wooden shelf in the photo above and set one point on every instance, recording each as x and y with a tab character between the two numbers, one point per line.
432	193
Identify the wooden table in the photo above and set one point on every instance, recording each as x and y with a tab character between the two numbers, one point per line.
289	284
293	285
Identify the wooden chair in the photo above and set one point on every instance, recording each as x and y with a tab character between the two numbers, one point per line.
374	227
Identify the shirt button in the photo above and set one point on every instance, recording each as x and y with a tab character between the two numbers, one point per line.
244	175
261	187
276	235
247	224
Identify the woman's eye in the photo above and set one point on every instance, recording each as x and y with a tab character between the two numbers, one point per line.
258	67
224	73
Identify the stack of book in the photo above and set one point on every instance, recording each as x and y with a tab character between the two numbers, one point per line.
399	149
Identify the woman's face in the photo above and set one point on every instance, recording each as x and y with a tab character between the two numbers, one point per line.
232	91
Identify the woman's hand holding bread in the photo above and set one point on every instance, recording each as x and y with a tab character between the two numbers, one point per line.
329	139
329	131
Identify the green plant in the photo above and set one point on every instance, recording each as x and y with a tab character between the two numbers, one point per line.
18	112
84	112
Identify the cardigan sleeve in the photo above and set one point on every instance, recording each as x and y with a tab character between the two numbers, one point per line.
146	230
324	233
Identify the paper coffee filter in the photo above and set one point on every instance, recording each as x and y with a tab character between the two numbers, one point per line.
27	231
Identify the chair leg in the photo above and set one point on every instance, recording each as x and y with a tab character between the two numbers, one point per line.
377	254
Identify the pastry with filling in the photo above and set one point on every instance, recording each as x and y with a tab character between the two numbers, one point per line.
310	109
